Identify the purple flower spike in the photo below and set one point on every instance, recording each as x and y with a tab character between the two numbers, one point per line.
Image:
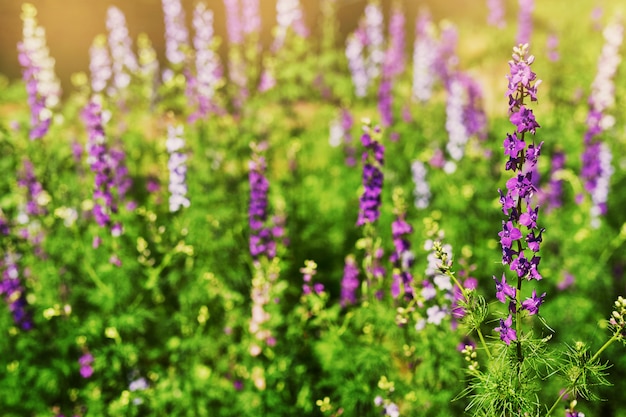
370	200
518	202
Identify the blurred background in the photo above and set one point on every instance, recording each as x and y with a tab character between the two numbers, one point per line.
71	25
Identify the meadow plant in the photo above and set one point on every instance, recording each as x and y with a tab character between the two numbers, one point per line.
124	62
177	168
496	13
14	292
421	192
208	69
100	67
596	168
176	36
42	85
525	21
424	57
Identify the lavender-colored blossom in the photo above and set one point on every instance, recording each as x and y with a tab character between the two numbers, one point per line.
525	21
496	13
455	123
350	282
42	85
373	24
552	193
421	192
177	167
394	63
424	58
37	198
252	16
289	16
264	231
234	23
13	291
176	34
86	362
120	44
355	51
447	59
99	64
208	75
552	45
474	116
373	158
596	158
385	99
402	257
99	160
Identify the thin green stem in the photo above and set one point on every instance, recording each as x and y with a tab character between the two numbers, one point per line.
556	403
604	346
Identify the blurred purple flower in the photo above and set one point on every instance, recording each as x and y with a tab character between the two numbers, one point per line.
42	85
176	34
177	168
350	282
370	200
124	61
86	362
496	13
14	292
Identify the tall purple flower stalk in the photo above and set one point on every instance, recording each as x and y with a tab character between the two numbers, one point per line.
13	291
596	160
355	53
520	236
99	160
234	22
496	13
373	158
208	74
421	192
350	282
264	232
36	196
176	34
402	257
252	16
120	44
455	123
289	15
552	194
346	125
373	23
393	65
424	57
100	66
525	21
177	166
42	85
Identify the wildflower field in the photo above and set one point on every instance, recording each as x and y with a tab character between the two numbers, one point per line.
421	218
